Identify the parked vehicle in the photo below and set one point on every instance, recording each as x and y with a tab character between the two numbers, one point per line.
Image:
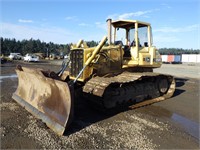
66	56
31	57
53	56
16	56
3	60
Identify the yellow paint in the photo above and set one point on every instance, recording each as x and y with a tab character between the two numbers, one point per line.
111	58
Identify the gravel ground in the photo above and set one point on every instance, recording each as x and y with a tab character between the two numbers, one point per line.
171	124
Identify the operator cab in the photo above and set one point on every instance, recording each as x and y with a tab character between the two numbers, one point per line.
132	33
135	37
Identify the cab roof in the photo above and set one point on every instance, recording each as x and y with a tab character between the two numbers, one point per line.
128	24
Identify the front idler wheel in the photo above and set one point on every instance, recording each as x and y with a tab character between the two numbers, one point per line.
163	85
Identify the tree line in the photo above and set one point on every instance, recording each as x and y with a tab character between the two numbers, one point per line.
178	51
36	46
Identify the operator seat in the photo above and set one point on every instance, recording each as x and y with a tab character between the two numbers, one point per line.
118	43
126	48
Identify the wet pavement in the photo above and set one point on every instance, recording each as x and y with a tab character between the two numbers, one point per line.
8	77
189	126
170	124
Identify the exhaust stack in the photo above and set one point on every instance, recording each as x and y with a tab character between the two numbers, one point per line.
109	21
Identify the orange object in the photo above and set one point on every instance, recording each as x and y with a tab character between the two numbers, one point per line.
170	58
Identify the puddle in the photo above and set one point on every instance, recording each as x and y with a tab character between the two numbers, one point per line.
190	126
9	76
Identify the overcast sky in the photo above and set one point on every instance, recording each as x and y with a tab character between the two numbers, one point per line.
175	23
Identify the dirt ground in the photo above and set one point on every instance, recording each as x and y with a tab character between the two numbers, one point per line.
170	124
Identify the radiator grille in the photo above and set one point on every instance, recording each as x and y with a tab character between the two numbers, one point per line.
76	57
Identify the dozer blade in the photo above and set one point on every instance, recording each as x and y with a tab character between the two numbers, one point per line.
48	99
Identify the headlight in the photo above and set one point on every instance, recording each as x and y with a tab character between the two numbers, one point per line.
158	60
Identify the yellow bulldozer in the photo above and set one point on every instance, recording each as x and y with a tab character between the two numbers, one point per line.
110	74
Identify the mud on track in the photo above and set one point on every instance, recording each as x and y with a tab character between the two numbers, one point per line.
173	123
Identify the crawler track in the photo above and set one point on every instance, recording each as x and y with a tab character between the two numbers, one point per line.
129	87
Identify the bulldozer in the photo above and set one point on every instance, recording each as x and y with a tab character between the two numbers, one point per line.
119	70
